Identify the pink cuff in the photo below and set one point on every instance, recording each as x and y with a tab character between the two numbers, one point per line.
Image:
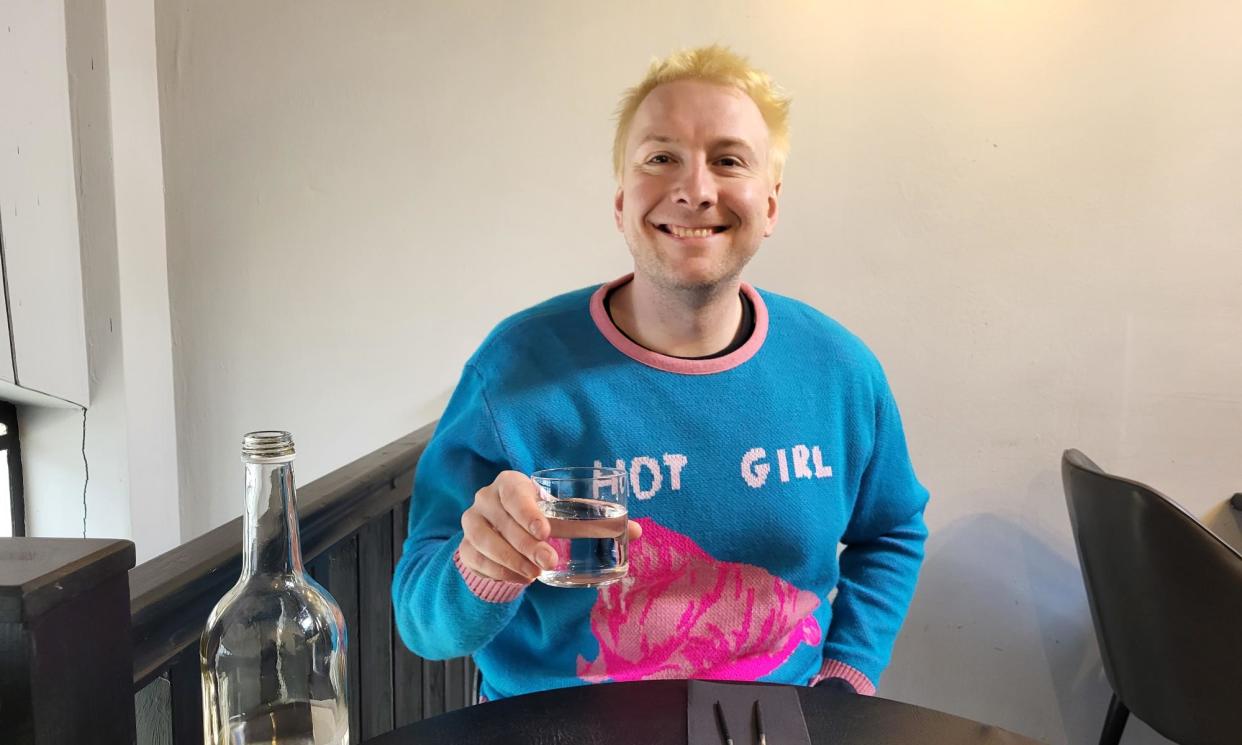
491	590
835	669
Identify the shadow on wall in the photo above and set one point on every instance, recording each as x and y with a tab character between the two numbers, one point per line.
1226	522
1001	632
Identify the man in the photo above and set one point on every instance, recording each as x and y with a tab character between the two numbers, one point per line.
758	435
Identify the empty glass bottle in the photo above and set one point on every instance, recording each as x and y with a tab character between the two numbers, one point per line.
273	654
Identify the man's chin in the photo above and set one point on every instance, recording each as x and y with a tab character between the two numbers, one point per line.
694	274
694	279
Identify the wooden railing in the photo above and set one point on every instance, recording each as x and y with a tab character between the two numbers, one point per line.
353	523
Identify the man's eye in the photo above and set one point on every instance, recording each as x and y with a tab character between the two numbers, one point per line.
659	159
729	160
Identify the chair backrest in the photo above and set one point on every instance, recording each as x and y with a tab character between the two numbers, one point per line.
1166	600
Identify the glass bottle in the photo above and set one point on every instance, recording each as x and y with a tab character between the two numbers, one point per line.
273	653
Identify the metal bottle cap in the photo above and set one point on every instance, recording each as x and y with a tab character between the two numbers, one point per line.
267	446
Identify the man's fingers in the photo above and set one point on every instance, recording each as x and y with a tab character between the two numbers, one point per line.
634	529
485	567
483	536
538	552
519	496
504	522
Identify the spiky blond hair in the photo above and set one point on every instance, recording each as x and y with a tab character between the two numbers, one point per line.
713	64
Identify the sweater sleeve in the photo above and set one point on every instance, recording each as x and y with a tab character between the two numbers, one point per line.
443	610
880	563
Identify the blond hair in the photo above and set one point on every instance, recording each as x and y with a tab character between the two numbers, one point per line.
713	64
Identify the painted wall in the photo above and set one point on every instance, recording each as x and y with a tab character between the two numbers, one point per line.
111	470
37	205
1029	210
142	275
56	449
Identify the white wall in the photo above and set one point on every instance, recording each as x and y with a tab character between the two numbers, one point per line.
1028	209
142	274
113	162
38	201
56	450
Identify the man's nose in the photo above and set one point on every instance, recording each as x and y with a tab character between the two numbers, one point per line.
697	187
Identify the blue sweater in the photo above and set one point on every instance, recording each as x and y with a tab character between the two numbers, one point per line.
746	472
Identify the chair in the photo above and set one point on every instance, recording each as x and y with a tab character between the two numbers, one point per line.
1166	600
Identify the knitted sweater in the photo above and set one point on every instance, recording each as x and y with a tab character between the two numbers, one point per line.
747	472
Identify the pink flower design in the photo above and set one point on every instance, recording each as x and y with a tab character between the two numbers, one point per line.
682	614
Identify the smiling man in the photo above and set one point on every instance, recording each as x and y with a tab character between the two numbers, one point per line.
758	436
698	193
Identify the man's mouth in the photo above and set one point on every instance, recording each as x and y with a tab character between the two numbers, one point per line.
680	231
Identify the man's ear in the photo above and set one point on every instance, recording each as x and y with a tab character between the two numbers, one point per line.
773	209
617	203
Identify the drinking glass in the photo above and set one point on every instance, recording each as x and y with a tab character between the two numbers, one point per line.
586	507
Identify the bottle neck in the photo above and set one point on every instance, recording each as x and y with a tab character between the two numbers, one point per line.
271	521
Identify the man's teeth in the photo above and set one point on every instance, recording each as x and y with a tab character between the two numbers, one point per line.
690	232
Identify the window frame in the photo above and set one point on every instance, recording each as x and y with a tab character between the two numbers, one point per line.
10	441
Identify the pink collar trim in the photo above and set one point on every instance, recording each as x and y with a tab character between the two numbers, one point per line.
676	364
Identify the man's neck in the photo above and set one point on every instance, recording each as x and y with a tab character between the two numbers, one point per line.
678	324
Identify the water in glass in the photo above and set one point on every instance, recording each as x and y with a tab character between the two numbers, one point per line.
587	511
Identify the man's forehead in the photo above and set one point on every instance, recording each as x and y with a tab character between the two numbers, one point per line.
696	93
705	111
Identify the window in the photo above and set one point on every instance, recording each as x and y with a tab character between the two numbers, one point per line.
12	501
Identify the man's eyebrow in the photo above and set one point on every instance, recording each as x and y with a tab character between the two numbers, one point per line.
724	142
658	138
733	142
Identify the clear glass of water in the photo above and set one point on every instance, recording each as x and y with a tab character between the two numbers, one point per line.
586	507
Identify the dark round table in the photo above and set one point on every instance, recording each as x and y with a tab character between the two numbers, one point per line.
654	713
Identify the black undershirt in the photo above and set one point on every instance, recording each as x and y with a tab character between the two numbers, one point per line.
744	329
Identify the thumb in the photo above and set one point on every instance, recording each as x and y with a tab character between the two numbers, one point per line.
635	530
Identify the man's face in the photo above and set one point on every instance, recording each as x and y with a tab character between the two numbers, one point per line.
696	196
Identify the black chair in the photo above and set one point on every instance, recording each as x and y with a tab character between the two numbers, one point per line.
1166	600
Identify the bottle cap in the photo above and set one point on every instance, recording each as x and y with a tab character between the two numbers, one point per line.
267	446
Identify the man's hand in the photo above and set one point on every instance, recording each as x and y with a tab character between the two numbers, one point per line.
506	534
